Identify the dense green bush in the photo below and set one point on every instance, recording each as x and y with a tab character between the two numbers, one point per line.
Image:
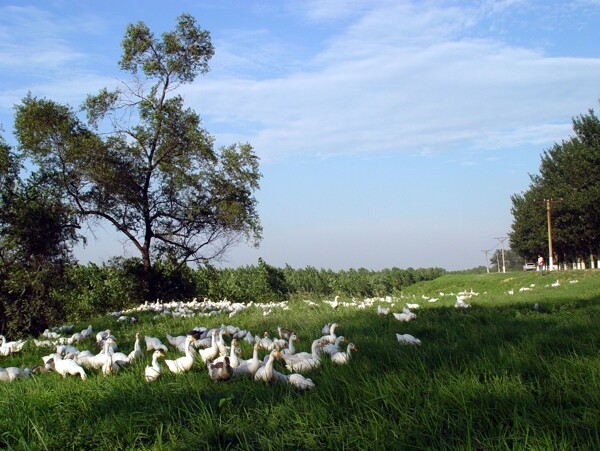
96	289
26	303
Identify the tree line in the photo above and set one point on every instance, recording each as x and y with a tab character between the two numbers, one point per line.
566	193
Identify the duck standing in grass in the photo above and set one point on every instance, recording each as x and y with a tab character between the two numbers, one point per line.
220	371
154	343
342	358
109	367
154	371
185	363
265	373
137	350
212	352
291	347
249	367
66	367
332	348
331	336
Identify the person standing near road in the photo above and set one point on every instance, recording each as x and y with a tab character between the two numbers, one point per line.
540	263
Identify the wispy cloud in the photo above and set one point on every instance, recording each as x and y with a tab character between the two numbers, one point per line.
411	77
403	78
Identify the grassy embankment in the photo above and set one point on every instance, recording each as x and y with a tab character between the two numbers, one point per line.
498	375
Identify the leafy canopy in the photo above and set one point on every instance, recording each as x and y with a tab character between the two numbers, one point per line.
569	184
141	160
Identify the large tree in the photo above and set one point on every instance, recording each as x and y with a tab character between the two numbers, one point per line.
569	185
142	161
37	232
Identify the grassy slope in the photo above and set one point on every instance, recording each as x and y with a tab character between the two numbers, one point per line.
499	374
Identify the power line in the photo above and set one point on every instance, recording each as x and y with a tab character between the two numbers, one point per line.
487	261
501	241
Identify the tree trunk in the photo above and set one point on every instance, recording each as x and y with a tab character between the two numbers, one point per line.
150	275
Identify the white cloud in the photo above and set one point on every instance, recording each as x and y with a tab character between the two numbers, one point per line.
402	79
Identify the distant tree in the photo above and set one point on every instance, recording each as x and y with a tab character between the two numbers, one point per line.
528	236
143	163
512	260
568	183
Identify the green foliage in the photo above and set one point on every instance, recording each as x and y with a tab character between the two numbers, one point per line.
262	283
569	186
512	260
151	171
36	234
97	289
355	282
121	283
179	56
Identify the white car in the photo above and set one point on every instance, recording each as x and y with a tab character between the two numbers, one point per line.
529	267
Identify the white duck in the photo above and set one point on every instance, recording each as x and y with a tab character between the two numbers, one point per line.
332	348
4	375
109	367
91	361
212	352
87	332
102	335
383	311
12	372
304	361
250	366
265	373
154	343
13	346
331	336
223	350
177	342
234	350
335	303
185	363
266	342
154	371
137	350
405	316
407	339
300	382
341	358
66	367
291	347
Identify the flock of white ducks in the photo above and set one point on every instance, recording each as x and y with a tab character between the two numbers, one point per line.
201	347
222	361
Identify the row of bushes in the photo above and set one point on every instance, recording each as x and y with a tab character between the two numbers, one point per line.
92	289
118	284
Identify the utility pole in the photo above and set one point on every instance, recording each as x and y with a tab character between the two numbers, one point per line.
487	261
549	211
502	239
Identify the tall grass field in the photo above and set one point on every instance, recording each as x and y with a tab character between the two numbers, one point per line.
516	366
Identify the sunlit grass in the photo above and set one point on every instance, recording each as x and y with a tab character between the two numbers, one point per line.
518	371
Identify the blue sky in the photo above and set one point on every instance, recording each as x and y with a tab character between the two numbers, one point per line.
391	133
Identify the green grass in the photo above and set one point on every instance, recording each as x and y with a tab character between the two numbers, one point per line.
498	375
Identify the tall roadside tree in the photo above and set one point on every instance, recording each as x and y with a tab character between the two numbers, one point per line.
142	161
569	183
